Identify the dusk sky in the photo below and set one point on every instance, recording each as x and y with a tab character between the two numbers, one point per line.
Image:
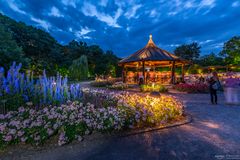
124	26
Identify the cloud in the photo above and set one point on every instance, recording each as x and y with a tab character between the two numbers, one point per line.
236	4
172	13
153	13
14	6
91	10
205	42
217	45
55	12
209	4
72	3
189	4
174	45
131	13
82	34
42	23
103	3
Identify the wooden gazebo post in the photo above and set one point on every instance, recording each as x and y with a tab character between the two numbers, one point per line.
173	73
183	72
123	74
143	71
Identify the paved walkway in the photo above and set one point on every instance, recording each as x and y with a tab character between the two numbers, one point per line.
214	134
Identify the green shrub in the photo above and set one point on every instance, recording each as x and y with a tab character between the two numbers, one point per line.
118	86
153	88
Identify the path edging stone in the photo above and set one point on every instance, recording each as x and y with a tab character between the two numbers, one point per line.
187	120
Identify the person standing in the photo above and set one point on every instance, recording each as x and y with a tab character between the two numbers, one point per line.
214	85
231	89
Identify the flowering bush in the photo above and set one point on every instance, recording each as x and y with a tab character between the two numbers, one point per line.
118	86
153	88
192	88
147	109
70	121
106	111
104	82
20	88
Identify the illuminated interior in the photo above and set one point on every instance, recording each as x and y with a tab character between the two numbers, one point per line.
152	65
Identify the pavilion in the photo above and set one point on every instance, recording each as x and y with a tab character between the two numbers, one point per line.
144	66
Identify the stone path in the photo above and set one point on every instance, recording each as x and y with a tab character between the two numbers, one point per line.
213	134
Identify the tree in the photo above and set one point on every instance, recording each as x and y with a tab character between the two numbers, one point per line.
9	50
210	60
231	51
79	68
39	46
194	69
188	51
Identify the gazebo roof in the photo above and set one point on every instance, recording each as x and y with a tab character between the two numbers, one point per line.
151	53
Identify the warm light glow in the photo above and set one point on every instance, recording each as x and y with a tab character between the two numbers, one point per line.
150	36
211	125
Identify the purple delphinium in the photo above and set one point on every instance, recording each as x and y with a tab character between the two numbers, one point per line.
44	90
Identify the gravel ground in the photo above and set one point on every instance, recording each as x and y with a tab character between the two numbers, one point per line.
213	134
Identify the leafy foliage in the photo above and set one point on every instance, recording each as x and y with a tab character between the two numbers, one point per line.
9	50
231	51
210	60
153	88
188	51
194	69
79	68
44	52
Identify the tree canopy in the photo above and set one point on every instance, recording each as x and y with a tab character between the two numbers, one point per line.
39	50
79	68
188	51
231	51
9	50
210	60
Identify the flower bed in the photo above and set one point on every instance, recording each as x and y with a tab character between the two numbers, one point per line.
192	88
99	110
153	88
146	109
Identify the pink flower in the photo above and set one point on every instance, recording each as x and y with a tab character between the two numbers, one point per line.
62	139
21	109
79	138
20	133
12	131
2	116
37	138
7	138
2	128
50	131
23	139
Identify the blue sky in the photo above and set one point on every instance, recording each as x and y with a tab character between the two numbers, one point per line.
124	26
